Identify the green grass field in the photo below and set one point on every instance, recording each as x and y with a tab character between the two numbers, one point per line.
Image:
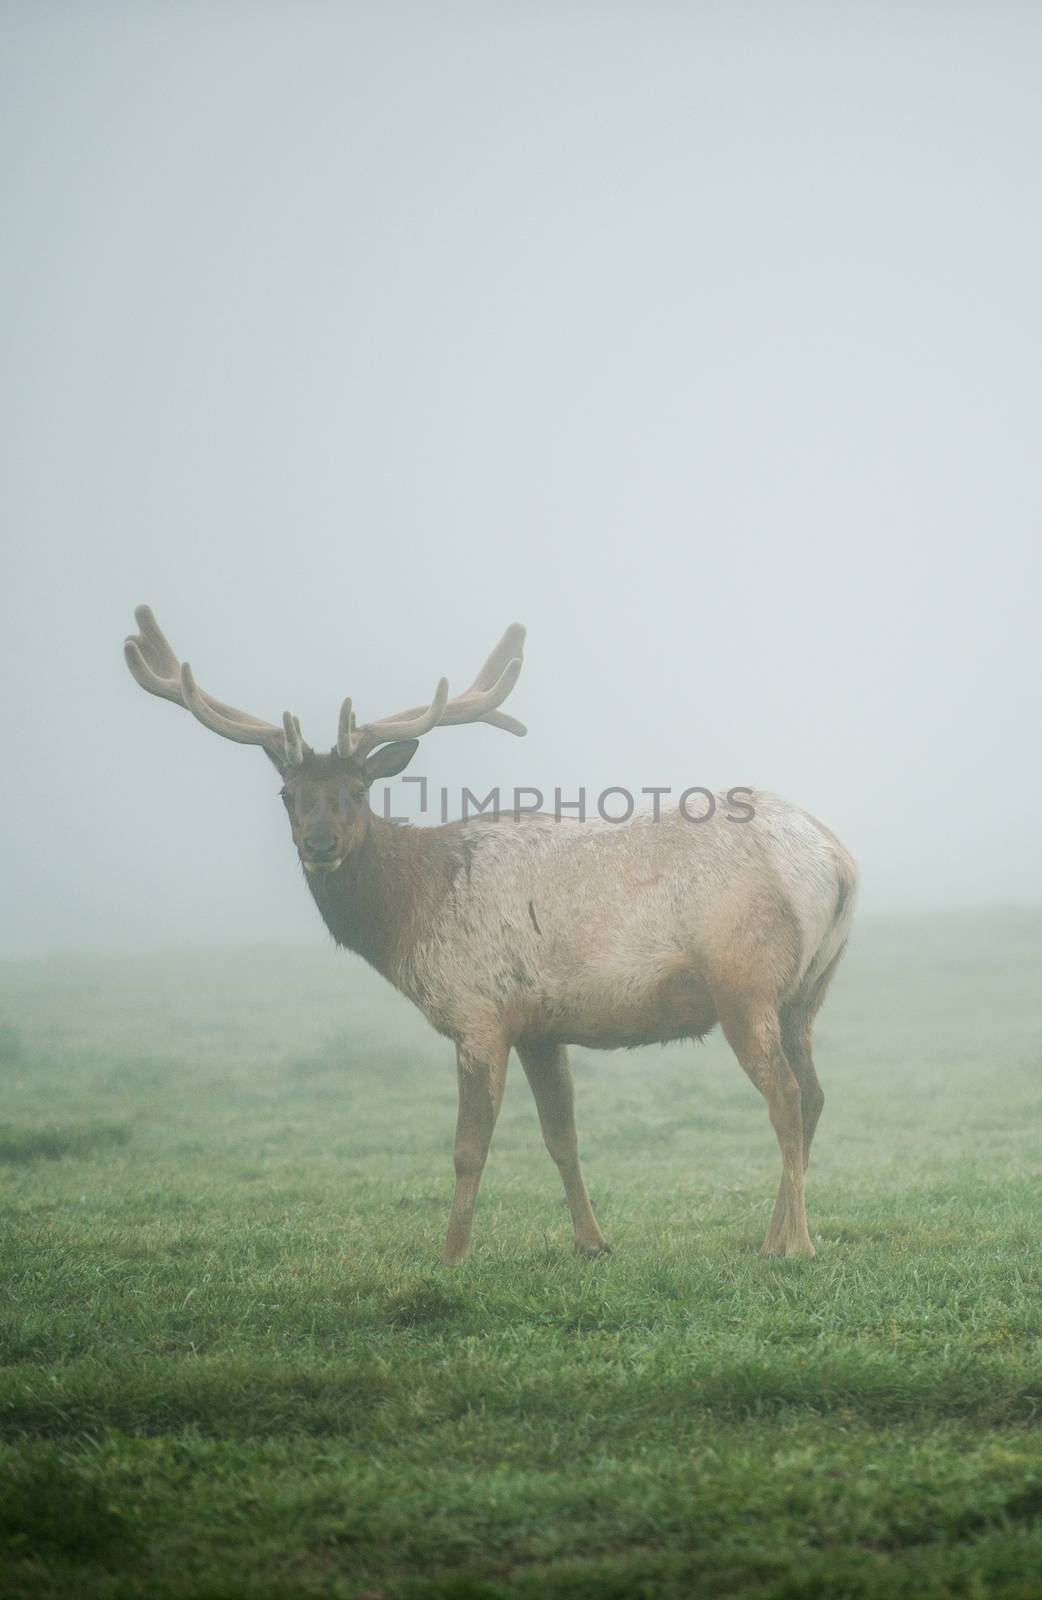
232	1366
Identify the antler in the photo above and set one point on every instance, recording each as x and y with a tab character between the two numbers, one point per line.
477	704
158	670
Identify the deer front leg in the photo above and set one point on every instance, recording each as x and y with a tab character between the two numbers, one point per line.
481	1072
550	1077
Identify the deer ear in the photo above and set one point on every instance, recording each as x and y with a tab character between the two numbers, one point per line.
392	759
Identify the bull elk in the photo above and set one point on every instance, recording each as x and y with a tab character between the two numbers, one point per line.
533	933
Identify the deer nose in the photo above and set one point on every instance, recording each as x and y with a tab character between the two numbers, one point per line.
321	846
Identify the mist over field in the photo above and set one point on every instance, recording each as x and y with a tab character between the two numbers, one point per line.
703	341
230	1366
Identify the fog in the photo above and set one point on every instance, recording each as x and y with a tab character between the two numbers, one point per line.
703	340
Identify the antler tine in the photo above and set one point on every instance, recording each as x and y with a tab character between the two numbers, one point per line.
157	669
347	737
477	704
158	674
511	647
294	743
406	725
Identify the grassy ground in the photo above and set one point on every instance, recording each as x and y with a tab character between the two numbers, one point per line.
231	1366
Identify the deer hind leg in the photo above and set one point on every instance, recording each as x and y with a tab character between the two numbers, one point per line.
482	1075
797	1026
753	1030
548	1073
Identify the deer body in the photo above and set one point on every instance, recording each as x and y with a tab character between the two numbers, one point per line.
590	933
533	933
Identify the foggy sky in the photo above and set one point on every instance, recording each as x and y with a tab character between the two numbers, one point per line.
704	340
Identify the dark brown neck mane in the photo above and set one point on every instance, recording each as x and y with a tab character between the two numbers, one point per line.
381	899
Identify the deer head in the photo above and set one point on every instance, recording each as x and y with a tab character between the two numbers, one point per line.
326	795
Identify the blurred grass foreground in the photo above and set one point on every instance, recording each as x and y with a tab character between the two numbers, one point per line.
231	1366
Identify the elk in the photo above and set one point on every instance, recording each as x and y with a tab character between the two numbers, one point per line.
531	932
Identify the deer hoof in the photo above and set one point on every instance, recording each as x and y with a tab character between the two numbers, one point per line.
803	1248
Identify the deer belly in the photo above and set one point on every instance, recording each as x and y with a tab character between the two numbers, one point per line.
620	1014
